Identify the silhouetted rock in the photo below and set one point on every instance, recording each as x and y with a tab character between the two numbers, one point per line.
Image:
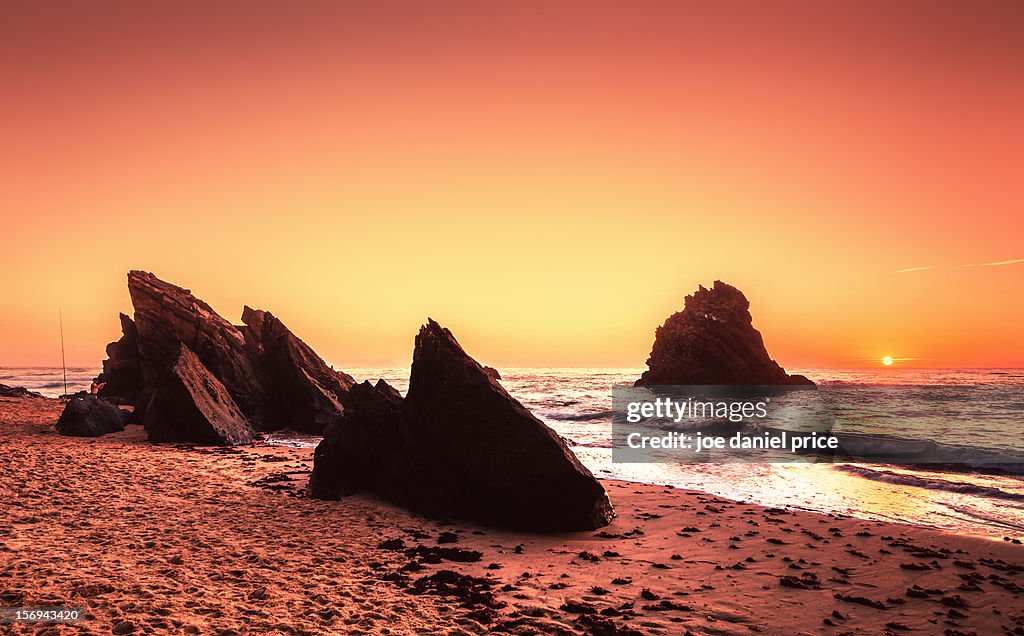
713	341
189	404
303	392
492	373
488	457
18	392
122	376
167	316
459	446
275	378
86	415
364	448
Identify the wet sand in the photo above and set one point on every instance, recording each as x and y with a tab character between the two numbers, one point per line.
171	538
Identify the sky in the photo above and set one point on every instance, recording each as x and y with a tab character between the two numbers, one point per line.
547	179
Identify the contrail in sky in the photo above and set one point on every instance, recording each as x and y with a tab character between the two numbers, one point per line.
994	263
1013	261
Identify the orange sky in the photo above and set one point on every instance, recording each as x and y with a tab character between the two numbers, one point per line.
548	180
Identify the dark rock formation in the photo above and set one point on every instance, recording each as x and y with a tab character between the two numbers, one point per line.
364	448
492	373
189	404
459	446
488	456
303	392
275	378
17	392
122	376
167	316
713	341
86	415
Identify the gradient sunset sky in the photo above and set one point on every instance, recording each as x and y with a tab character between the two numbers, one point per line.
548	180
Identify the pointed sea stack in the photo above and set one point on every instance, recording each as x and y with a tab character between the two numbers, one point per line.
459	445
167	316
712	341
274	378
303	392
189	404
489	458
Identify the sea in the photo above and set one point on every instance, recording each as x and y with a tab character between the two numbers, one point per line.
963	413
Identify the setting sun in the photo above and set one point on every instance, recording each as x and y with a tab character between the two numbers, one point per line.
887	361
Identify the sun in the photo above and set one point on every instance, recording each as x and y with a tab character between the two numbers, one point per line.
887	361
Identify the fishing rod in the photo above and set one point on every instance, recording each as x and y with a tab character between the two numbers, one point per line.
63	364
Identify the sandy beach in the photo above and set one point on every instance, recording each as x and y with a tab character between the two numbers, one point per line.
171	538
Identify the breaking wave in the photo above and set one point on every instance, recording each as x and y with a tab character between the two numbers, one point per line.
931	483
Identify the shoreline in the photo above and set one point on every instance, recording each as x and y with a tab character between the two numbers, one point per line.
152	538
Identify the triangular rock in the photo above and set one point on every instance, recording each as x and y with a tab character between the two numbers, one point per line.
167	316
189	404
459	445
304	393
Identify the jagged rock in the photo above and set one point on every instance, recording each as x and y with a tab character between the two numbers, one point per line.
86	415
189	404
275	378
18	392
459	446
303	392
167	316
713	341
492	373
121	378
363	448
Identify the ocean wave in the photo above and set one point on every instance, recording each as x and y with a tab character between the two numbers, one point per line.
706	427
899	386
579	417
594	444
931	483
986	519
51	385
1018	406
901	450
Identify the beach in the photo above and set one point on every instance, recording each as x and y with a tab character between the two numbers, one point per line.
156	538
905	406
